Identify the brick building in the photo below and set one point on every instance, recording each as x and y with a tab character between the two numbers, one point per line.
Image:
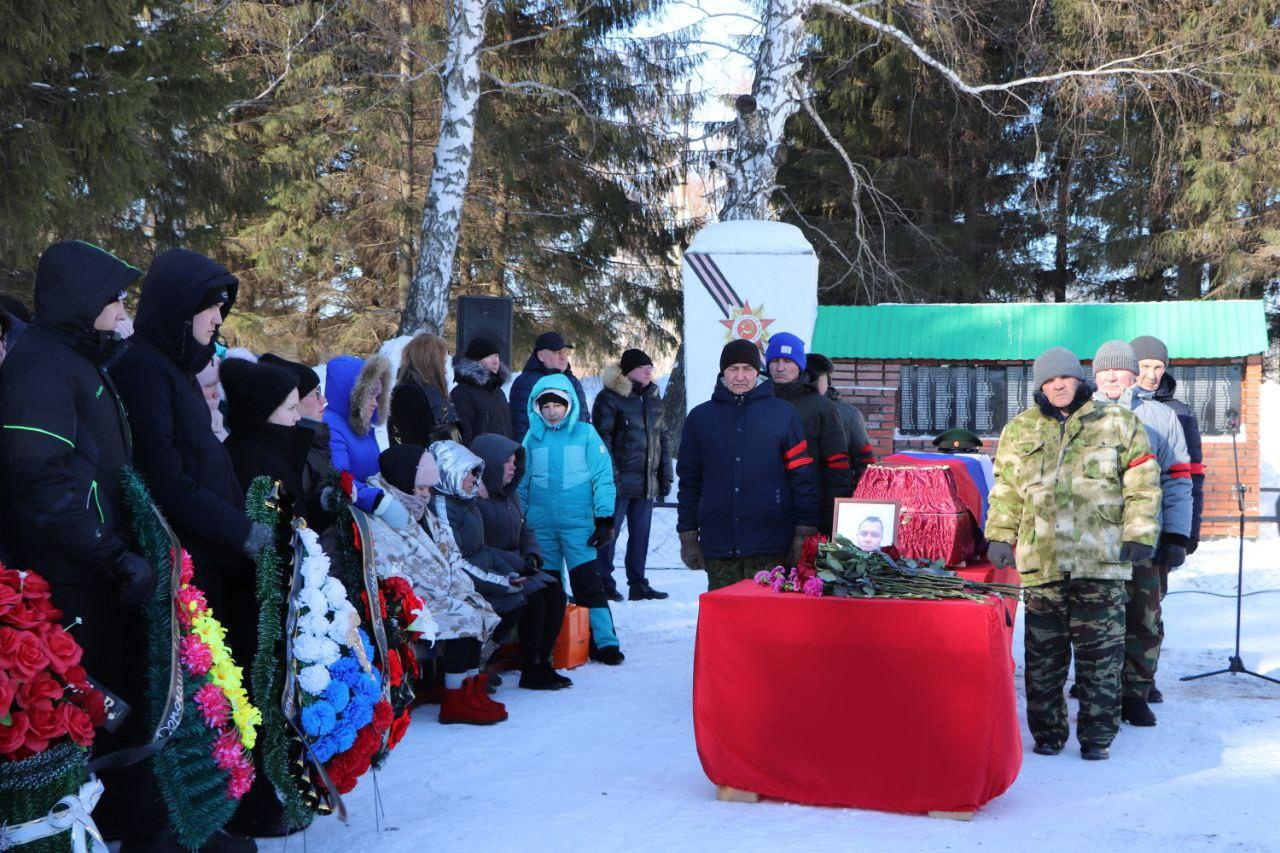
917	370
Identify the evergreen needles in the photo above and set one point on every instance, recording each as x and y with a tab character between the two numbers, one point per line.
850	572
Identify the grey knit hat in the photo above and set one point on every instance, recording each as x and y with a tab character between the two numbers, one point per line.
1147	347
1115	355
1056	361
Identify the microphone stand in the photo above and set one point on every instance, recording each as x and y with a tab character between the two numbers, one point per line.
1235	663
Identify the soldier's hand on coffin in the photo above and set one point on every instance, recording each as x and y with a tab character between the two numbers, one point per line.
1001	555
1137	553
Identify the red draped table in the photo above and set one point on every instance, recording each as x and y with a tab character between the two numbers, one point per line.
891	704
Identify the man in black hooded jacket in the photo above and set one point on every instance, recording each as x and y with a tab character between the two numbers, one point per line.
63	442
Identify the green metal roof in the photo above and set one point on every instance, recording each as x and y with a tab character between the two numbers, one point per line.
1020	331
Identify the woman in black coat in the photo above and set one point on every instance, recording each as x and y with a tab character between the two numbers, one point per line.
420	409
478	397
184	298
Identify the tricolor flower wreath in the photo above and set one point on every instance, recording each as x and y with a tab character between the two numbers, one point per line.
219	693
204	767
342	714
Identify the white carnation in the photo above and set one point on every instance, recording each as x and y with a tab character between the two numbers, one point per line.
314	623
334	591
313	679
314	600
342	627
310	649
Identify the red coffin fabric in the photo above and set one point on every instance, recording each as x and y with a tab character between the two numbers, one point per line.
933	523
904	706
966	489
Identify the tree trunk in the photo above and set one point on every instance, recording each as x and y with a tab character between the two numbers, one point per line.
404	242
752	170
1062	235
428	301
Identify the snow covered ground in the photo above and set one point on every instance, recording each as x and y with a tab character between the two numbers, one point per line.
611	763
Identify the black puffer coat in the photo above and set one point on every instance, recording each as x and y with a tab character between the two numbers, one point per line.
187	468
420	414
318	464
479	401
629	419
504	519
826	439
258	448
63	434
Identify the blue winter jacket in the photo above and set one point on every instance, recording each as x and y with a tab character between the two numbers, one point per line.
568	477
352	442
534	370
747	478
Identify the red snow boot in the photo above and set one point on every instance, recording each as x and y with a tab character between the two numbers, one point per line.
460	706
480	693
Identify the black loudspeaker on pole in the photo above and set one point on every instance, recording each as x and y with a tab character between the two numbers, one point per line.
485	317
1235	663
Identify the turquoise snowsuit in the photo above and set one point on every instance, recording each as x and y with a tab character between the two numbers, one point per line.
567	485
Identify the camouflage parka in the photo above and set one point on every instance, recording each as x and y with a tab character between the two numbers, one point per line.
1069	493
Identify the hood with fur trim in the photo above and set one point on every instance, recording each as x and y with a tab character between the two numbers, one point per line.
349	381
616	381
471	372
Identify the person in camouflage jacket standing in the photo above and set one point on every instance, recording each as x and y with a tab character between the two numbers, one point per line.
1078	492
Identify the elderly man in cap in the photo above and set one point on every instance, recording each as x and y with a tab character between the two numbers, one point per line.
1115	369
1074	508
1155	383
550	356
748	493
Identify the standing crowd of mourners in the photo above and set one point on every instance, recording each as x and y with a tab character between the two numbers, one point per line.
490	508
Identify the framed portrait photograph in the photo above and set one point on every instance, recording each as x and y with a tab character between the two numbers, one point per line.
868	524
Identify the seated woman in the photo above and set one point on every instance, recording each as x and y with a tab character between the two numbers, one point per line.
424	553
506	534
537	596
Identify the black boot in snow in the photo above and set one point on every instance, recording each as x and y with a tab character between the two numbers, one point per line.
1094	752
565	681
535	677
611	655
1136	712
1154	696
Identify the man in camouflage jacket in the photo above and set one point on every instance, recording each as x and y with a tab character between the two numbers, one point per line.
1078	492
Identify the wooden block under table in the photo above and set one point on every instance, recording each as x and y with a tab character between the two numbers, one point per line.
953	815
726	794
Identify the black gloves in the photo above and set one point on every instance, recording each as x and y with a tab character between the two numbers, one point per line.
1136	553
603	534
1172	550
137	579
797	544
1001	555
1192	544
532	563
691	551
260	536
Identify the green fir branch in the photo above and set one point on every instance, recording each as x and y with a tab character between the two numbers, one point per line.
268	661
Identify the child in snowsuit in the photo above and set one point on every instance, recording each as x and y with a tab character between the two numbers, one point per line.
568	489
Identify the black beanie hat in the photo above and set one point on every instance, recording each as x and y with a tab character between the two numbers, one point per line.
633	358
819	365
480	348
254	391
739	351
399	465
308	379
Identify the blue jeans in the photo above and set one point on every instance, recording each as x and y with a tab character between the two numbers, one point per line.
637	515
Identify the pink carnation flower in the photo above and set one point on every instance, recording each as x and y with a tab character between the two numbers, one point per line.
227	751
213	705
195	655
777	583
241	779
188	568
763	577
813	586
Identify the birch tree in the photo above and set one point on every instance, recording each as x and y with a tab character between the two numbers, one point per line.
427	302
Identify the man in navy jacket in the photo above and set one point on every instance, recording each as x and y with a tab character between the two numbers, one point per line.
748	494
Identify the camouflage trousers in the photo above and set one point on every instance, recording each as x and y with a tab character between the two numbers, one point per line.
1143	629
1087	617
730	570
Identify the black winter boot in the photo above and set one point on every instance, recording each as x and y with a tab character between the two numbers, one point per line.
535	677
1136	712
1094	752
547	668
611	655
1154	696
1044	747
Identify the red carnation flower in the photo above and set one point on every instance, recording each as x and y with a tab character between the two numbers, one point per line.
355	537
394	669
382	716
398	728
